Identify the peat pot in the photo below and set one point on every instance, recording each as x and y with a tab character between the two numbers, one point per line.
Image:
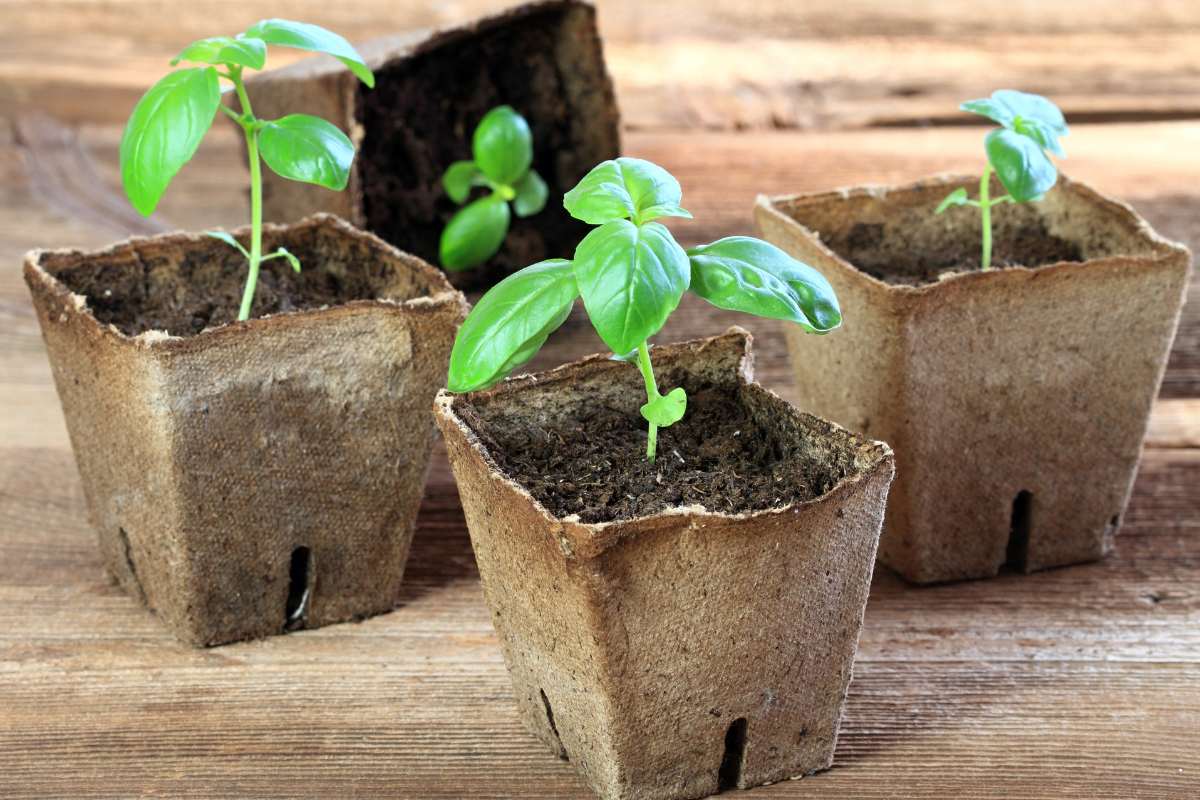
1016	399
432	88
684	650
248	478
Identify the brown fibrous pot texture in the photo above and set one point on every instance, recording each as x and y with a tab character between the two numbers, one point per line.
432	88
253	476
1016	398
677	654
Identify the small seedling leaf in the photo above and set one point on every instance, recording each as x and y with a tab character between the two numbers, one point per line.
474	234
229	240
740	273
503	145
304	36
459	178
291	259
510	323
531	195
625	188
244	52
665	410
308	149
956	198
631	278
1027	114
164	130
1021	164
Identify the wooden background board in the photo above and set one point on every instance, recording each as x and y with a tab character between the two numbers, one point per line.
1080	682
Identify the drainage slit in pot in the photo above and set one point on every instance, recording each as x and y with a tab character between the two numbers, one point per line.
298	585
730	773
1018	536
550	719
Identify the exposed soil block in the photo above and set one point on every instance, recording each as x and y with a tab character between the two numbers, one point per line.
1016	399
255	477
687	642
544	59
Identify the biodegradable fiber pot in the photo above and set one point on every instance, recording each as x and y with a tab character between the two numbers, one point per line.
432	88
1016	399
247	478
681	652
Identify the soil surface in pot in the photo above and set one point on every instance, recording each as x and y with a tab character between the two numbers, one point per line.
420	118
720	456
183	290
918	249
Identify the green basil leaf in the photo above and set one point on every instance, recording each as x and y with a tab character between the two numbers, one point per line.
1040	133
459	178
503	145
531	195
308	149
164	130
956	198
283	252
665	410
229	240
625	188
741	273
631	278
474	234
247	52
986	107
303	36
1021	164
1028	114
510	323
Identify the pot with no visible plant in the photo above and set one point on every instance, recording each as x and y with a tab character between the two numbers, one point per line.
1016	396
248	410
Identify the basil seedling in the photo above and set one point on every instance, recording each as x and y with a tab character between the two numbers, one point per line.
167	124
503	150
631	274
1016	152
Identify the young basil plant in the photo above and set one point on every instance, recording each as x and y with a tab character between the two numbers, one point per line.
1016	151
502	148
167	124
631	274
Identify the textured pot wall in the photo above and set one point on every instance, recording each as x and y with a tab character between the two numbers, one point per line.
207	460
989	385
634	646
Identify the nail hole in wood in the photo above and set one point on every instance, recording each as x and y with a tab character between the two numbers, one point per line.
298	585
730	774
1018	536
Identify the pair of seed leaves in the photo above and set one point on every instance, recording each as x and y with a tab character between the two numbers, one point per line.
631	274
1030	125
502	150
171	119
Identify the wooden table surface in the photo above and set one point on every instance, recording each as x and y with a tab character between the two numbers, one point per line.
1081	682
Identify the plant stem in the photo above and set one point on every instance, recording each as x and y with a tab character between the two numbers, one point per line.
651	395
250	127
985	216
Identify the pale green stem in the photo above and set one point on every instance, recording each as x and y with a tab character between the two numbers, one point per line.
985	216
250	127
651	395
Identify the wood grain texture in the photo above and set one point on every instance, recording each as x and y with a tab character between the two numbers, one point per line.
1075	683
677	63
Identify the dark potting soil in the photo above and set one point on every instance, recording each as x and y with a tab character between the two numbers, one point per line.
183	290
917	252
720	456
420	118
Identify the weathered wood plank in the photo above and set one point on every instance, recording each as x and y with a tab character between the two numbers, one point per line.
679	63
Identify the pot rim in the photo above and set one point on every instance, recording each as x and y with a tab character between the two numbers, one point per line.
440	296
1165	250
871	456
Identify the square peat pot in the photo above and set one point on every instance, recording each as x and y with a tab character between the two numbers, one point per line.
432	88
247	478
1016	399
684	651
